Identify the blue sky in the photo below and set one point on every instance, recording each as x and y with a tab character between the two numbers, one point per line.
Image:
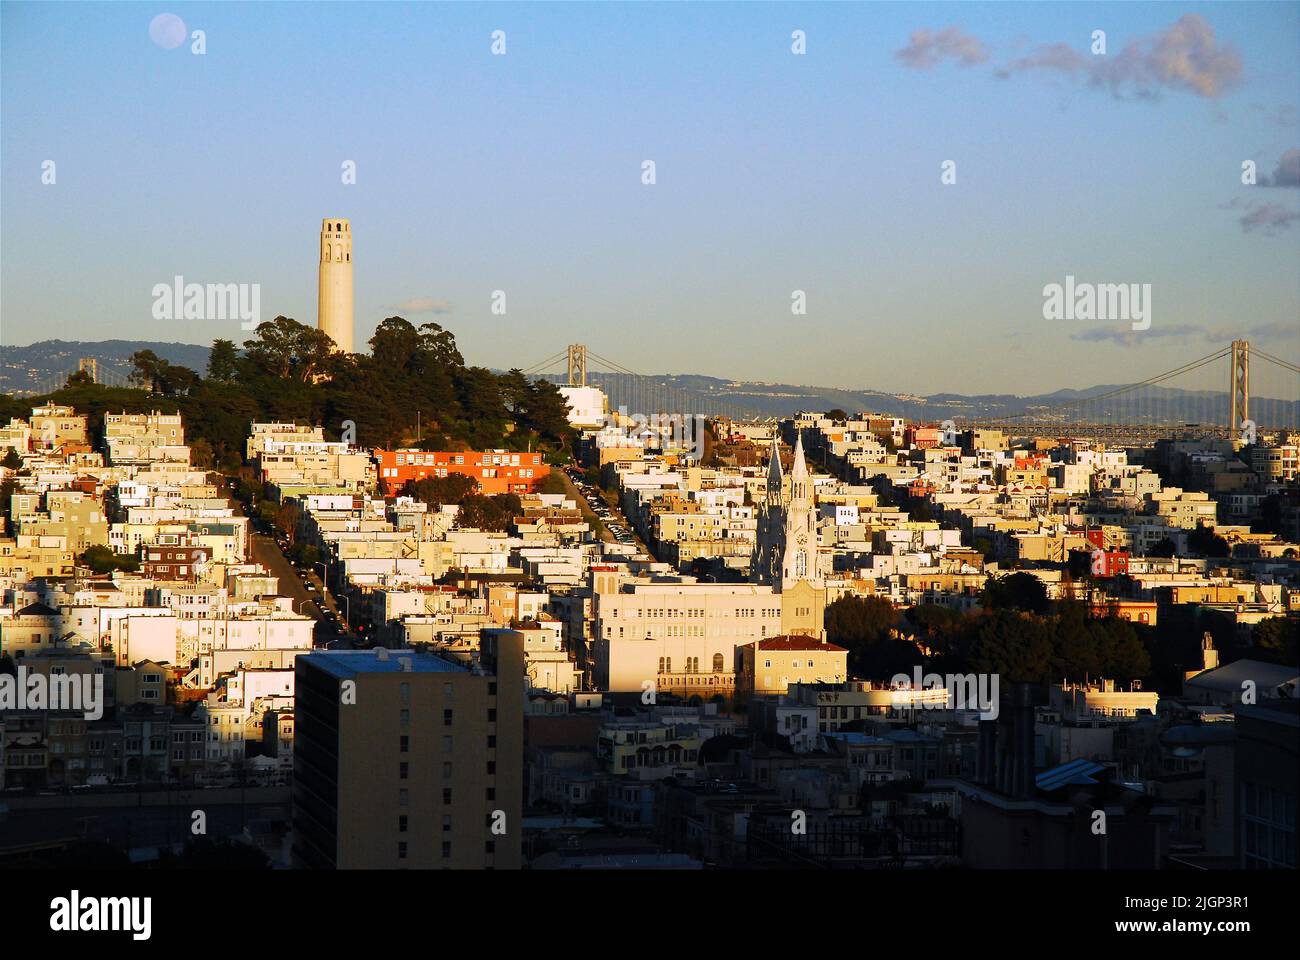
775	172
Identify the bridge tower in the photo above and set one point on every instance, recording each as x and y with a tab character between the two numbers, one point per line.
577	365
1240	389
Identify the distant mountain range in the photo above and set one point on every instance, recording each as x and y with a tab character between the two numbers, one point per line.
43	366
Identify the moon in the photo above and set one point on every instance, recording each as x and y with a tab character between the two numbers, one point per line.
167	31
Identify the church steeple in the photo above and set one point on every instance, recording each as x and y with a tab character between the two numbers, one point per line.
774	477
799	553
799	493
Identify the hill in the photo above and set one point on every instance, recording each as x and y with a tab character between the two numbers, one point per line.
43	366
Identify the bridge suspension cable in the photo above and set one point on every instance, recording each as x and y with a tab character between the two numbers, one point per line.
645	394
1118	391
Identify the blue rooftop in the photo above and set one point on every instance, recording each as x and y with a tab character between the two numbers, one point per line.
852	737
1078	771
349	663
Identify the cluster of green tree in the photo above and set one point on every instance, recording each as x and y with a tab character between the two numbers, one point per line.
476	510
489	513
1270	514
303	554
252	495
8	487
1201	542
1276	640
1204	542
1019	644
553	482
290	371
867	628
104	560
1016	591
1164	548
440	491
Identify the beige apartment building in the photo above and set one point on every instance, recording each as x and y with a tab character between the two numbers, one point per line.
32	629
1185	508
1276	464
57	426
770	666
268	436
409	760
72	517
680	636
27	562
152	429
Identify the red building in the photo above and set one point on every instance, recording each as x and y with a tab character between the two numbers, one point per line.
497	471
1102	563
923	438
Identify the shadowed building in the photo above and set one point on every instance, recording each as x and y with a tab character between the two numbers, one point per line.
409	760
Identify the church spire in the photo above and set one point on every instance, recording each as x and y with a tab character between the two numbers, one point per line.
799	472
774	477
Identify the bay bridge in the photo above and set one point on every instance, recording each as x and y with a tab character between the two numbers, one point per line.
108	373
1234	391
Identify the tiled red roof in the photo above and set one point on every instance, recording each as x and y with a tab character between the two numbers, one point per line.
795	642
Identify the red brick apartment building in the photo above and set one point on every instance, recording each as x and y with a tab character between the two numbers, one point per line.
497	471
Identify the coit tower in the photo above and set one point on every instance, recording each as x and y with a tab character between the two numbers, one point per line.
334	306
